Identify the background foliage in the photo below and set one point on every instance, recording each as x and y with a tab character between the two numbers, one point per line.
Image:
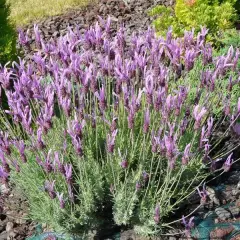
7	35
187	14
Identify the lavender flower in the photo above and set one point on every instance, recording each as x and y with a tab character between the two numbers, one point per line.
68	173
22	37
70	193
203	194
47	164
186	154
124	164
61	200
228	163
188	225
5	143
37	34
5	163
49	187
198	114
101	98
58	163
170	146
111	141
16	165
40	143
21	147
145	176
146	121
138	186
78	145
149	87
3	175
157	214
210	126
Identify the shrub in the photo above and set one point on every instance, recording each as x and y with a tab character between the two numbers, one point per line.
187	14
7	37
95	125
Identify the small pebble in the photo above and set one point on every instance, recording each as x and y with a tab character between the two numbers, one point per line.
9	226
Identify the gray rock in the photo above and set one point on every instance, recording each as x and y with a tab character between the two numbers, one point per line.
3	235
234	210
212	195
222	213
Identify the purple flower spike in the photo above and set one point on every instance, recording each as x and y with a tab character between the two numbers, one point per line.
37	34
21	147
186	154
78	145
16	165
40	143
228	163
5	143
4	162
58	163
111	141
203	194
145	176
157	214
146	121
61	200
236	128
70	193
22	37
138	186
130	118
49	187
101	98
188	225
170	146
68	173
198	114
124	164
149	87
47	165
210	126
3	175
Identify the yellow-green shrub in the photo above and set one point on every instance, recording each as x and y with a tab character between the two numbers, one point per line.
188	14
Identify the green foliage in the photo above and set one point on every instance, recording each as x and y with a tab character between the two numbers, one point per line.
227	39
7	35
221	86
187	14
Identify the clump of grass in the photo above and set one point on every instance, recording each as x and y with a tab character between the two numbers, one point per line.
25	11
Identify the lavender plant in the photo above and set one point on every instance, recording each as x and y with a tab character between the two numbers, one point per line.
96	122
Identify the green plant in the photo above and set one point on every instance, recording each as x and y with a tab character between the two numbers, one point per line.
188	14
7	36
227	39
